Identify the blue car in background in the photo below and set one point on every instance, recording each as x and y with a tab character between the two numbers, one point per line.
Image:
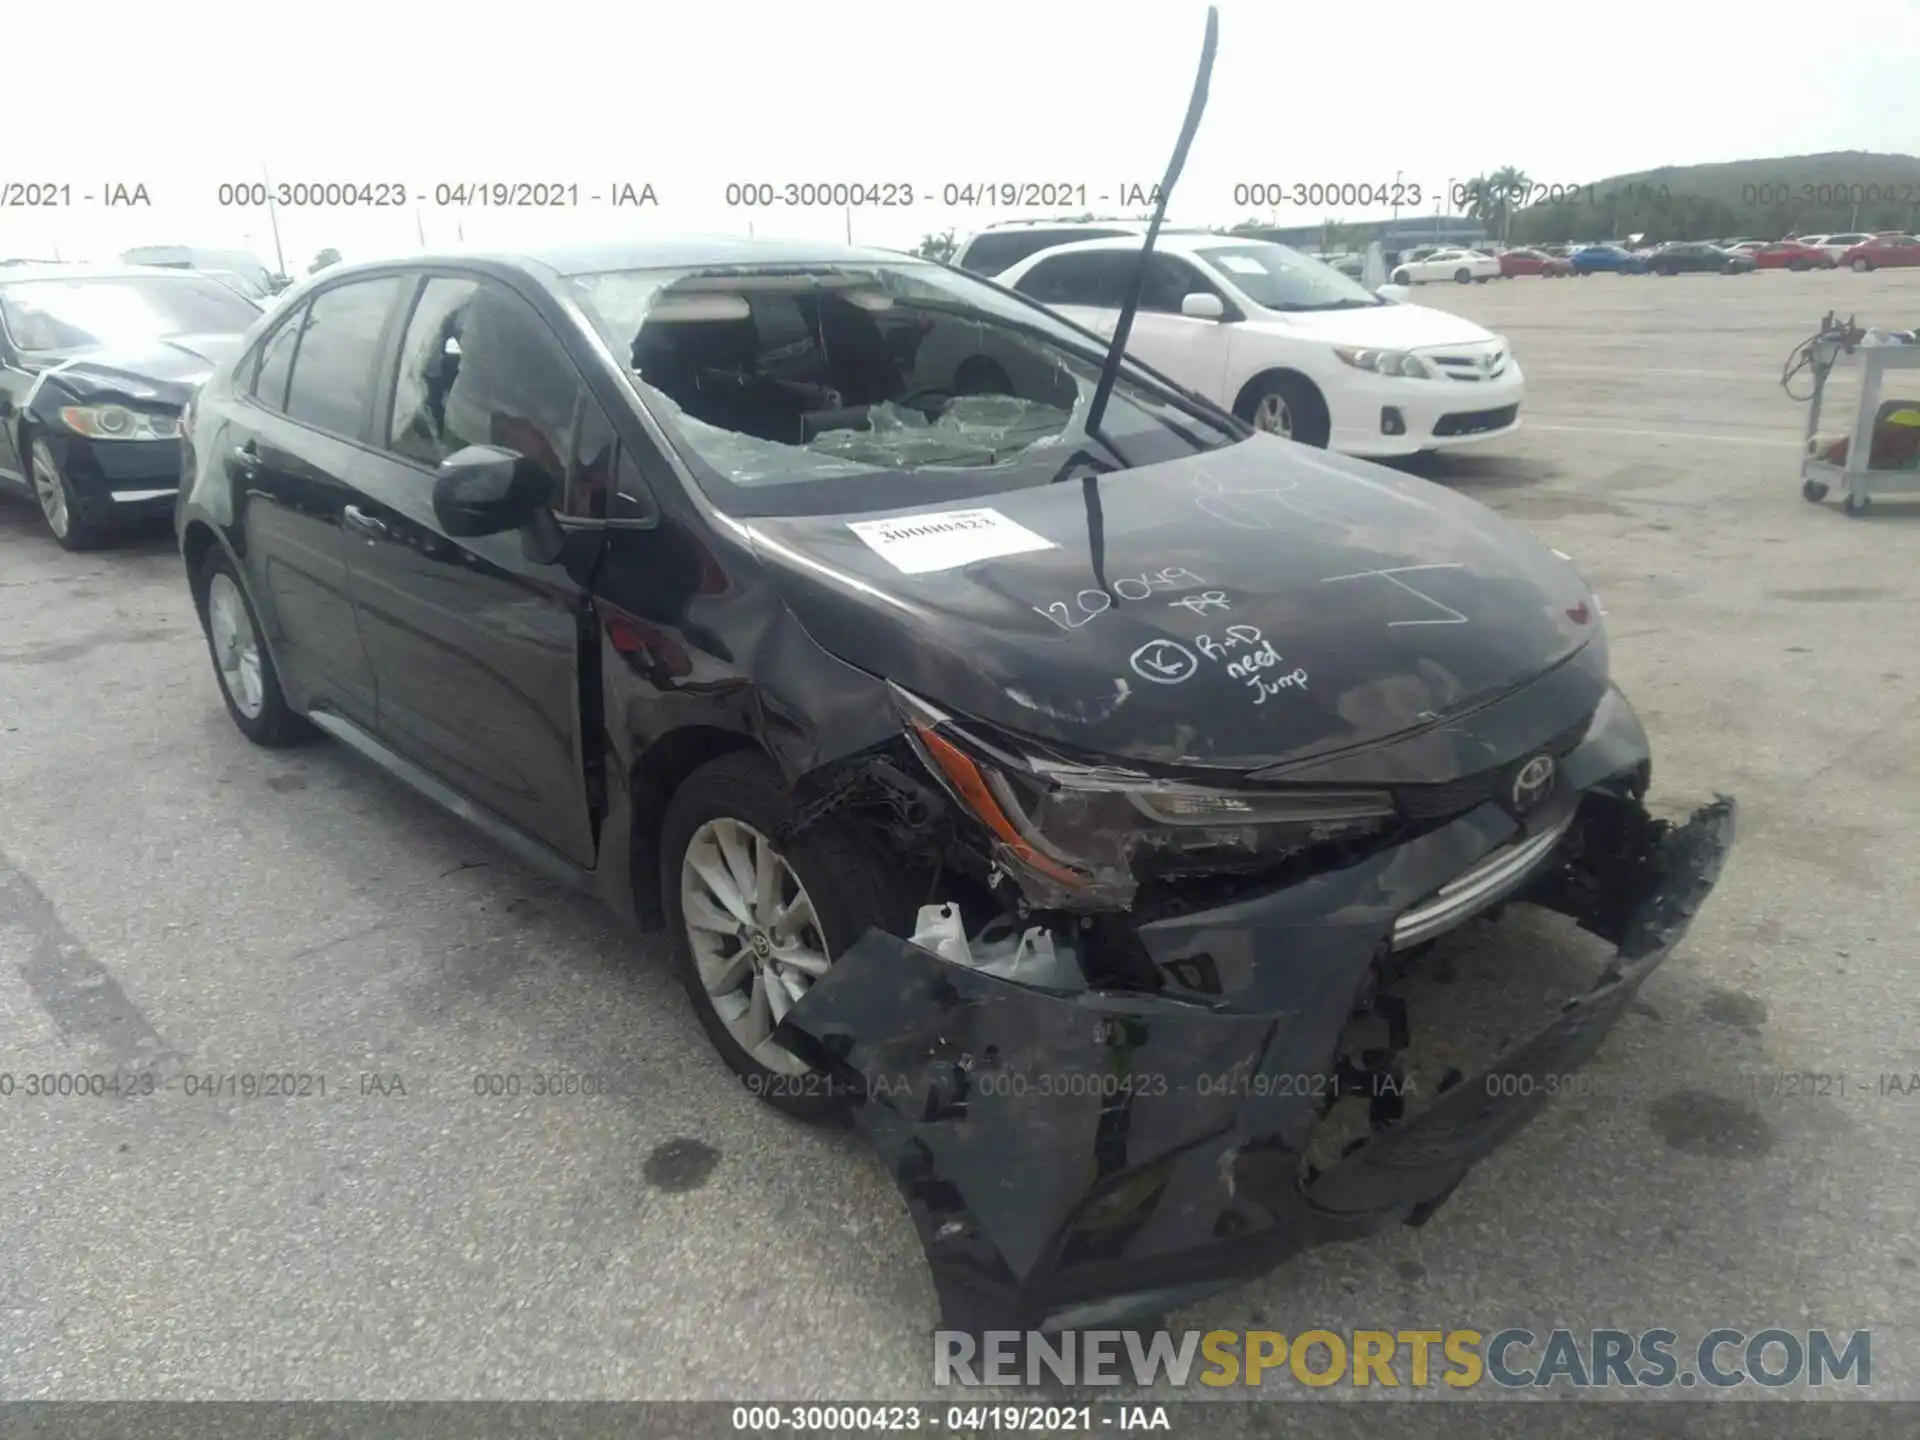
1616	258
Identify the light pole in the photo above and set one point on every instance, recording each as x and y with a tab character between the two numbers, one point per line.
1396	197
273	219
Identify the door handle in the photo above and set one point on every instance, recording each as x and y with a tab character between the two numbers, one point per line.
246	459
371	526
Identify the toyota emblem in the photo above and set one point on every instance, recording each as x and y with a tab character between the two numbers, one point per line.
1533	783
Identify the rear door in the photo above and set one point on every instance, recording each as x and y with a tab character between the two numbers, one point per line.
291	450
475	643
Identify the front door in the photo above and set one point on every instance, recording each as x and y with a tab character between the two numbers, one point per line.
1189	350
475	643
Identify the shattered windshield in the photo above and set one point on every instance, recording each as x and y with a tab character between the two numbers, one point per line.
829	388
1278	278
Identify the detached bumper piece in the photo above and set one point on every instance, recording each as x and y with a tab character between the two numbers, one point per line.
1085	1158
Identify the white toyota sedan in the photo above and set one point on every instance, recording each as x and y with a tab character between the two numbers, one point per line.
1289	344
1460	265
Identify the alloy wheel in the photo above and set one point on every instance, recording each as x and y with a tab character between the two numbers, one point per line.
755	938
1274	416
49	490
236	649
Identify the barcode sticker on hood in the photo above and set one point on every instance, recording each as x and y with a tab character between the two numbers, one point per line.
945	539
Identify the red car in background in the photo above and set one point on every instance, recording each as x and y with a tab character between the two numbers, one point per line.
1532	262
1883	252
1790	255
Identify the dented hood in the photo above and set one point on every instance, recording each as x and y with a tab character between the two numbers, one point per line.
1266	604
165	370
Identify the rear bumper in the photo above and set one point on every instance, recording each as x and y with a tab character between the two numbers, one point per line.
1077	1159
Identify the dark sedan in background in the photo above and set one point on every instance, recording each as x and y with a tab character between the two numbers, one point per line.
1697	257
95	365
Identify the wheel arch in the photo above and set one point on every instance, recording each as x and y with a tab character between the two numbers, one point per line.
658	771
1259	379
196	542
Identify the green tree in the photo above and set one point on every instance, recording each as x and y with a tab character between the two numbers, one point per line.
940	245
1509	185
326	257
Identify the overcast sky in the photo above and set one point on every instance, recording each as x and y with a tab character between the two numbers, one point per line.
691	97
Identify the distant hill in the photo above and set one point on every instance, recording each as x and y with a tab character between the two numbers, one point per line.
1767	199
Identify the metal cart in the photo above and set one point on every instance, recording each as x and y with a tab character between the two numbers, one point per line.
1817	476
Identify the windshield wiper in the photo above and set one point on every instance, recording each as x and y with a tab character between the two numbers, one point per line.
1123	327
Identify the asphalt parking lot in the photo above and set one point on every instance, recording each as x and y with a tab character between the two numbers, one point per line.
167	888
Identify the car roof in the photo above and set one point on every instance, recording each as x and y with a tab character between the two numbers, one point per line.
57	271
673	252
1172	242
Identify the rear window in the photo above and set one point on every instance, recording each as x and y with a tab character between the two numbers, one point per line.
1000	250
338	355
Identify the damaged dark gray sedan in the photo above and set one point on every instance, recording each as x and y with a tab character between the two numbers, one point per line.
1068	800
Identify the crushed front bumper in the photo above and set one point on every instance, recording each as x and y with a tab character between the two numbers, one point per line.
1074	1159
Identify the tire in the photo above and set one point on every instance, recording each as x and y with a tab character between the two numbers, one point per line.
249	684
1862	265
1462	276
739	802
66	515
1300	409
1813	491
1400	277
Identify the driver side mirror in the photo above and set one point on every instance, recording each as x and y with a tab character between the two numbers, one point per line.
485	490
1201	306
1393	294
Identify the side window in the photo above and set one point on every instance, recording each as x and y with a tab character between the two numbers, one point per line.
335	367
429	361
274	362
1070	280
502	379
1169	281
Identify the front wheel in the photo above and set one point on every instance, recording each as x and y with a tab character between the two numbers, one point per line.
1462	277
1401	277
68	520
1862	266
755	920
1287	406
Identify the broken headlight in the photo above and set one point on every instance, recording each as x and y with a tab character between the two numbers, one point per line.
1089	834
